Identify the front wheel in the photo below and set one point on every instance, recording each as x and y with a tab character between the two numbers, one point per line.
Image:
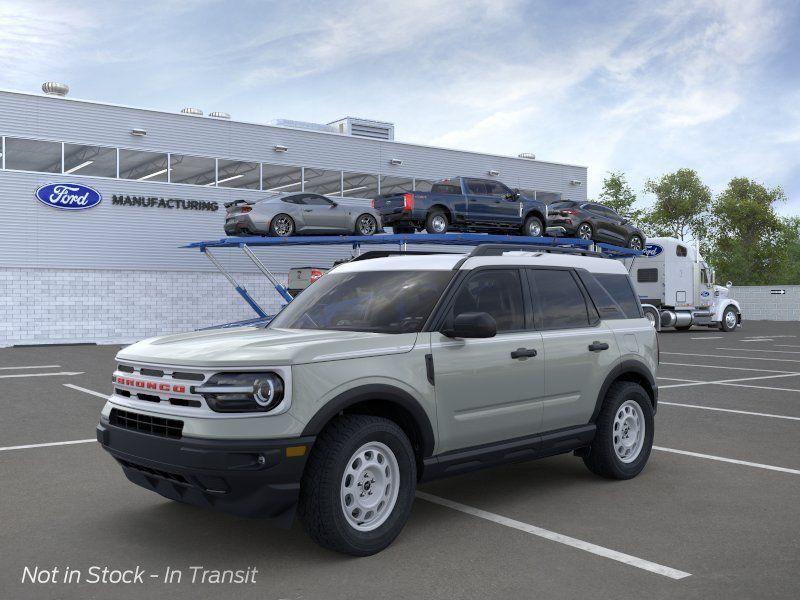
585	231
624	435
358	487
636	243
729	320
366	224
533	227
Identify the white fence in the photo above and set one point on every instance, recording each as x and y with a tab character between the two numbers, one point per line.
768	302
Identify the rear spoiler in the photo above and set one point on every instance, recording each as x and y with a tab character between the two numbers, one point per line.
239	203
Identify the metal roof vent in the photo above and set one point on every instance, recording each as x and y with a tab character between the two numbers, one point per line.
377	130
527	155
196	112
219	115
51	88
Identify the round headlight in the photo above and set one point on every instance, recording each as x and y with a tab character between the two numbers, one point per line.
242	392
268	392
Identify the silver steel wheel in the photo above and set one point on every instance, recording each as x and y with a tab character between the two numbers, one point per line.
439	223
534	228
282	225
635	243
629	431
585	231
370	485
730	319
367	225
650	317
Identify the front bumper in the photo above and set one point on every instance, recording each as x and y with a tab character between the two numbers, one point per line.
248	478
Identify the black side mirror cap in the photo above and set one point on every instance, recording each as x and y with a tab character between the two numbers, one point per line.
472	325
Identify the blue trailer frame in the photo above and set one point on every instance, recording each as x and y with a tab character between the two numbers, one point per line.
401	240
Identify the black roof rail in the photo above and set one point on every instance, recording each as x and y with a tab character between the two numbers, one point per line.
499	249
385	253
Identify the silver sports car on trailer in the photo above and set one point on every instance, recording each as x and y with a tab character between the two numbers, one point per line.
300	213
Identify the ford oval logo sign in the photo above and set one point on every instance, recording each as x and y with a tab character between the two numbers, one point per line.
68	196
652	250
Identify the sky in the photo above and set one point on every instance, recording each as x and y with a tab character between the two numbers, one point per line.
639	87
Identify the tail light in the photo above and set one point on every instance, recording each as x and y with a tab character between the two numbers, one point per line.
408	201
372	203
315	274
247	209
569	211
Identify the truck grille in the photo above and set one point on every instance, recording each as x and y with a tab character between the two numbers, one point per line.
169	428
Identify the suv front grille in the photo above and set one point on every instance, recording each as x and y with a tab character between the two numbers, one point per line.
169	428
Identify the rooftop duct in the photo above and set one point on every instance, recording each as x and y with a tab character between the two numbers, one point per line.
219	115
196	112
51	88
303	125
527	155
377	130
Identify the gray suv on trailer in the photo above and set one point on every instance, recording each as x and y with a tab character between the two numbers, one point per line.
387	372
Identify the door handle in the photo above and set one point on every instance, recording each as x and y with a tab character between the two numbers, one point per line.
523	353
308	210
598	346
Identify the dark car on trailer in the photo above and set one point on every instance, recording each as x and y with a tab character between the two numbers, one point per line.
463	204
594	221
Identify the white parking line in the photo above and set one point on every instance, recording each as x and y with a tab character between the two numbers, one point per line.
728	460
730	410
676	379
47	444
736	357
708	337
31	367
84	390
722	367
787	346
757	350
759	340
760	387
633	561
726	381
40	374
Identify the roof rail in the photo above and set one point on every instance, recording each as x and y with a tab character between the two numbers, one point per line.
499	249
385	253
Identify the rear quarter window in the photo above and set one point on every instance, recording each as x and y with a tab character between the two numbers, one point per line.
613	295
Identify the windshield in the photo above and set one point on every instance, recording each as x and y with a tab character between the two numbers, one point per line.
376	301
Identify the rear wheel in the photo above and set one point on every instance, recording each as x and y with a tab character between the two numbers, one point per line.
635	243
436	222
533	227
624	435
729	320
281	226
585	231
358	487
366	224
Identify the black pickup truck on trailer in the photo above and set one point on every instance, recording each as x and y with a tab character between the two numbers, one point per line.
463	204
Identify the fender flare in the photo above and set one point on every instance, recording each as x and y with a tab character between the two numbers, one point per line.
724	306
627	366
372	392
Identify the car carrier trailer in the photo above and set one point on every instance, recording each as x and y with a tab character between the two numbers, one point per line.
401	241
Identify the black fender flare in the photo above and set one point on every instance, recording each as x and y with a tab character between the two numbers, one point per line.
623	368
375	392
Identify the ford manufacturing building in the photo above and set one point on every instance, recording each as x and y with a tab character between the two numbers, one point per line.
115	272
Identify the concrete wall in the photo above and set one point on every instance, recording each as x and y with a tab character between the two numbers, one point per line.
759	303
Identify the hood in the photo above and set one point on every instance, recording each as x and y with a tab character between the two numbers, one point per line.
720	291
256	346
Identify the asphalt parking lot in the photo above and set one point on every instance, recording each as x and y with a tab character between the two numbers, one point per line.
714	515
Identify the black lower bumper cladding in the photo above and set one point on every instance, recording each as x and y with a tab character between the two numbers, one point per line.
248	478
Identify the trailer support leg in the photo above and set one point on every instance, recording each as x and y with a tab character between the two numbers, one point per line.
261	267
239	288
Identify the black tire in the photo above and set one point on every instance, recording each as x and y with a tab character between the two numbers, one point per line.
278	231
585	227
601	459
533	227
636	242
320	507
360	227
435	217
723	326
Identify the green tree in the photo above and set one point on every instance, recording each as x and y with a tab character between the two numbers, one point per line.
618	195
681	205
750	243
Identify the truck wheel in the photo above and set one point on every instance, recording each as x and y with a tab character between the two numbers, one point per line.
533	227
624	437
358	487
436	222
729	320
281	226
366	224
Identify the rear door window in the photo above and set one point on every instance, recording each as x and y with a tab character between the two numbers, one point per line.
558	300
497	292
612	294
477	187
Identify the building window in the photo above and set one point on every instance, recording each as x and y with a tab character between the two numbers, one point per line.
194	170
423	185
360	185
143	166
320	181
396	185
90	160
236	174
280	178
33	155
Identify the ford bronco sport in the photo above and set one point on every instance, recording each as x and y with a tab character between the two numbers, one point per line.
385	373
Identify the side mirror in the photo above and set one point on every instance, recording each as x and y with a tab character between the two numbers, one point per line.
472	325
334	204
